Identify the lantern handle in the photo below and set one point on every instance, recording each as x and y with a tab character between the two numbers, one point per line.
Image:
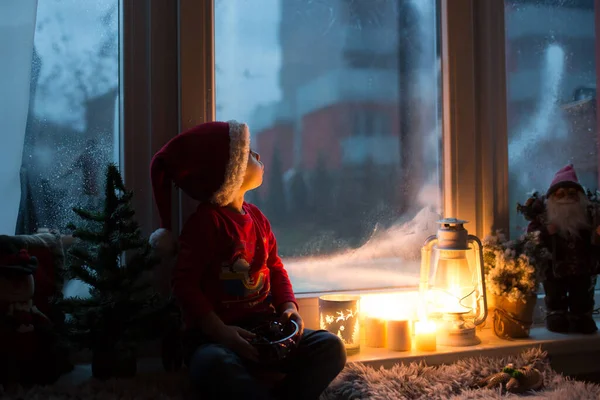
425	270
426	260
478	247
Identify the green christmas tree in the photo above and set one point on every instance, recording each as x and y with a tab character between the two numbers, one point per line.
111	256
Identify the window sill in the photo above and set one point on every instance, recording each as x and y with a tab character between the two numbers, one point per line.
571	354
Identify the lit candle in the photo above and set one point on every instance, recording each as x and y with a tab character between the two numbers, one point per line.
374	332
398	335
425	339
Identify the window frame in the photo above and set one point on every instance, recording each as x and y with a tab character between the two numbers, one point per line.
474	174
149	107
475	138
474	120
196	74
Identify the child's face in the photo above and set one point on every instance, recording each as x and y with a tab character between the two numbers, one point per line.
254	172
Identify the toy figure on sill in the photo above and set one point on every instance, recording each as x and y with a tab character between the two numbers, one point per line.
514	380
27	345
228	278
567	219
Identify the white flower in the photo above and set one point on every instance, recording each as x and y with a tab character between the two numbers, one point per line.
512	267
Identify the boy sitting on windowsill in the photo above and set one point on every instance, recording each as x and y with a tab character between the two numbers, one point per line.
228	276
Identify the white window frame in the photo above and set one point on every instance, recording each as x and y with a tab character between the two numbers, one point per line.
475	165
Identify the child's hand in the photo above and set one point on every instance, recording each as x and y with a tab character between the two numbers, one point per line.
236	339
292	313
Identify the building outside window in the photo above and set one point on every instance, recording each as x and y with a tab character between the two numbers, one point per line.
342	99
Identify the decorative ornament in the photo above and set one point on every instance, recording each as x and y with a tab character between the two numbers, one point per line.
514	380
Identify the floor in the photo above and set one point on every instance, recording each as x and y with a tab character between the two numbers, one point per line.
573	355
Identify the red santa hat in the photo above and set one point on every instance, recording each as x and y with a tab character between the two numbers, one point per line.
17	264
208	162
565	177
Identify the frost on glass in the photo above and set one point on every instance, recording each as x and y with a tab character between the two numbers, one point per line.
551	78
342	99
72	127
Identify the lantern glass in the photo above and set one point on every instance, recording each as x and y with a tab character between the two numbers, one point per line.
452	283
338	314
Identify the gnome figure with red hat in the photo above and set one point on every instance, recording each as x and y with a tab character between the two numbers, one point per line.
26	354
567	228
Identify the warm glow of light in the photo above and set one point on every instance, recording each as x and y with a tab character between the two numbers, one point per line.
400	306
425	327
338	314
453	284
453	272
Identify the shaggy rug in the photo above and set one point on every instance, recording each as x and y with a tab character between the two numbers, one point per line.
410	381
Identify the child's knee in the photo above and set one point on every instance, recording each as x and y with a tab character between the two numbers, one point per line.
212	360
335	349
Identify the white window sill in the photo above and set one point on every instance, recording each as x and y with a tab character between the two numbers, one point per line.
571	354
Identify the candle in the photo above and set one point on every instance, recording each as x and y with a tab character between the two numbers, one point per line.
374	332
399	336
425	339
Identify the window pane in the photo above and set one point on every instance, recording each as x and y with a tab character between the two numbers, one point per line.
551	50
343	102
73	124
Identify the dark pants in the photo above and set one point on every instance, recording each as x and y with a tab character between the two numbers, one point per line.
572	294
219	373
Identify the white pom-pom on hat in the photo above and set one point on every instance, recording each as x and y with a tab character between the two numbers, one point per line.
163	242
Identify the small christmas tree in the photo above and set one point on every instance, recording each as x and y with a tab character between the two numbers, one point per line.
123	308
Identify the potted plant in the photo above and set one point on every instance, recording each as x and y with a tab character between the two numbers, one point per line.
513	271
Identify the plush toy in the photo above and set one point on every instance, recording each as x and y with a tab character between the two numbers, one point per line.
27	354
567	221
514	380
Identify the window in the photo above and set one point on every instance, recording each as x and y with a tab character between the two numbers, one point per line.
551	78
69	129
350	208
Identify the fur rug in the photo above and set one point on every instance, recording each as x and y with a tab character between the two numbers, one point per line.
419	381
410	381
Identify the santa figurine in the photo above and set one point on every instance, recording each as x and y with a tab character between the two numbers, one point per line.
19	318
567	228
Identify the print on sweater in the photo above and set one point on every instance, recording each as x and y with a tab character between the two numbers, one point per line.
238	281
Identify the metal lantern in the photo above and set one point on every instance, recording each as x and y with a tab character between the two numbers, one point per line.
453	284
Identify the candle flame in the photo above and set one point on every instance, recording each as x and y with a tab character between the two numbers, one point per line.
425	326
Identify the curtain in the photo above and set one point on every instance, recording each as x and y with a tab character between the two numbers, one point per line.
17	28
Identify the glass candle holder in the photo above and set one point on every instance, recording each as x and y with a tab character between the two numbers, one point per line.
339	314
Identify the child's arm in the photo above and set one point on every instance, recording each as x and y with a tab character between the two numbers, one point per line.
281	286
196	247
284	299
